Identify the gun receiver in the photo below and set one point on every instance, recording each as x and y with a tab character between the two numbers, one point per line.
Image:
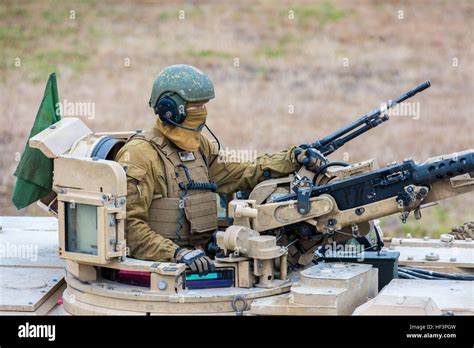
389	181
332	142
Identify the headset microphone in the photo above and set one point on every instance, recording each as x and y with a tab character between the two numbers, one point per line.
197	129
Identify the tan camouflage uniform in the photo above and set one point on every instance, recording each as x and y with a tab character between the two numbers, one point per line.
146	181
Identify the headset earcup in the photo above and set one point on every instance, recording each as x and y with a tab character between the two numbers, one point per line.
168	109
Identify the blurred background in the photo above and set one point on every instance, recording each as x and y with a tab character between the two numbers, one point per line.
284	73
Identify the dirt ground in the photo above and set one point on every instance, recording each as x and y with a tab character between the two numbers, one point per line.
284	73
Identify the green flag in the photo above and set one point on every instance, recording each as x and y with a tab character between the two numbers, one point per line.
35	171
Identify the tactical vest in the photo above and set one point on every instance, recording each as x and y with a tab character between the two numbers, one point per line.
186	217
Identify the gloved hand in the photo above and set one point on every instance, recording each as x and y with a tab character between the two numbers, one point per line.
311	158
195	259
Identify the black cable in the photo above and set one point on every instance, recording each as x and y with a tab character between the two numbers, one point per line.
406	276
452	276
327	165
420	275
330	179
218	145
196	129
181	215
212	186
380	243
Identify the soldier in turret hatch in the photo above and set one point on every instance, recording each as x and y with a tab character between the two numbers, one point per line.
173	173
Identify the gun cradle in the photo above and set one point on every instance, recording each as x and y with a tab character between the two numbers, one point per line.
274	215
325	215
439	191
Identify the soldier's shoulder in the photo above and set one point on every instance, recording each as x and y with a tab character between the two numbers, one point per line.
138	143
138	151
208	147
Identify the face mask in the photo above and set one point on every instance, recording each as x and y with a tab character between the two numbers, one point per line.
196	114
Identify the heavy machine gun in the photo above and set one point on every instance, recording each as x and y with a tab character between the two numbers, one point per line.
408	183
350	199
339	201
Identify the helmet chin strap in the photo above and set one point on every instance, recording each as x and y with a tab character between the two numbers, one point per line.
197	129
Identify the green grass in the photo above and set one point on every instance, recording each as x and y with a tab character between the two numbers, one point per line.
11	36
324	12
280	48
47	40
209	53
45	62
53	17
12	9
165	15
433	224
269	51
379	6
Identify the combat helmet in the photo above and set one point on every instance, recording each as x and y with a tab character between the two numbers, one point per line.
174	87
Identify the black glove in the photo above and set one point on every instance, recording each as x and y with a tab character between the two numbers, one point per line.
195	259
311	158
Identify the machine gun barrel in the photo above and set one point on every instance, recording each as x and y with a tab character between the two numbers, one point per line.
332	142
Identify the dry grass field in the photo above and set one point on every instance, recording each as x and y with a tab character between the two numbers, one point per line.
328	61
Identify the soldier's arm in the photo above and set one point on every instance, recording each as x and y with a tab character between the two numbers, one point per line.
144	243
232	176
